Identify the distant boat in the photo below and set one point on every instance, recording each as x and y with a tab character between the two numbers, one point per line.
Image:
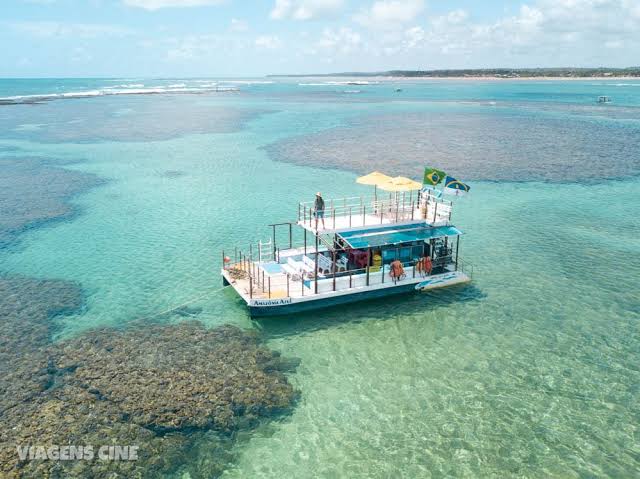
604	99
398	90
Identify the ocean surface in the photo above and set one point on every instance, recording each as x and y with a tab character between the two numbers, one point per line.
532	370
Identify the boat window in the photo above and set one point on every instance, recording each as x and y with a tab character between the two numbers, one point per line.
403	253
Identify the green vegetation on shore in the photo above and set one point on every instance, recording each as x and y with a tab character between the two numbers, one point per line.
495	73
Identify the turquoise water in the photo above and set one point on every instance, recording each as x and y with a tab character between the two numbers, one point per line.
530	371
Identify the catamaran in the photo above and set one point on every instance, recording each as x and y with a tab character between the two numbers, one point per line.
355	249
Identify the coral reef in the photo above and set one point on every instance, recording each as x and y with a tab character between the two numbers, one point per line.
178	377
476	145
129	119
34	190
155	386
25	306
172	174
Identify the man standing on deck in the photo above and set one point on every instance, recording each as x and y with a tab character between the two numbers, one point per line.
319	209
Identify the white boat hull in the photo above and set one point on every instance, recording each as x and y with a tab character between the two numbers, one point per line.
288	305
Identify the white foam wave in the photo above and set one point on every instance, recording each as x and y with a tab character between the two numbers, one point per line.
341	83
250	82
351	82
614	84
29	97
74	94
107	91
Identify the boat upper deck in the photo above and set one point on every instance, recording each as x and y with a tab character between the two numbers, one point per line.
369	212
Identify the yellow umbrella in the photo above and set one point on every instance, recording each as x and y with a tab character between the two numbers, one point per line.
374	178
400	183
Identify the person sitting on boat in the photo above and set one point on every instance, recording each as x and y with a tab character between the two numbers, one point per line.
421	266
319	209
396	270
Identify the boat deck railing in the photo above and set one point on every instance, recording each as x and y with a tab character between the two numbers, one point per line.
353	212
465	267
254	282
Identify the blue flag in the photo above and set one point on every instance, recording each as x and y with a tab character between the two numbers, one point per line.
455	187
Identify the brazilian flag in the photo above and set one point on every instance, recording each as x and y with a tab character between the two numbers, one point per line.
433	176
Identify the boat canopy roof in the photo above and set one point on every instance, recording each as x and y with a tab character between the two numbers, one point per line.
395	234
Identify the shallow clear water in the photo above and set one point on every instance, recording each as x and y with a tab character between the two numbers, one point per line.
532	370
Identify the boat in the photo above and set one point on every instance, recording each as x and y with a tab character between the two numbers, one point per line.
604	99
367	247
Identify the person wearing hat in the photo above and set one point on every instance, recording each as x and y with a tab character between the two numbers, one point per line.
319	209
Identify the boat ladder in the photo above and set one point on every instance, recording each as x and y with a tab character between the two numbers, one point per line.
265	251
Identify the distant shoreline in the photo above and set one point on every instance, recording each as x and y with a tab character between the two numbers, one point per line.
522	78
561	73
460	78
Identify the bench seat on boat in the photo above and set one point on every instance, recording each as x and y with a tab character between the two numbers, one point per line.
303	266
311	266
325	264
294	273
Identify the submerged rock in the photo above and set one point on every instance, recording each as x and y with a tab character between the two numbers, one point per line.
476	144
173	174
170	378
36	190
25	308
145	118
186	311
157	387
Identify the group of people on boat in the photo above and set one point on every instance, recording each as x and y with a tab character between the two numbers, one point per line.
423	266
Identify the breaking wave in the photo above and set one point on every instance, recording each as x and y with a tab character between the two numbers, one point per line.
129	89
341	83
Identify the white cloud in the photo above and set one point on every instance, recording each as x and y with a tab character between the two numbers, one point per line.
237	25
413	36
158	4
454	17
344	41
80	30
390	14
613	44
204	46
268	41
543	32
305	9
80	55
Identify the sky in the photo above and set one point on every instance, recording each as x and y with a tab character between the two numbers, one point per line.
209	38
